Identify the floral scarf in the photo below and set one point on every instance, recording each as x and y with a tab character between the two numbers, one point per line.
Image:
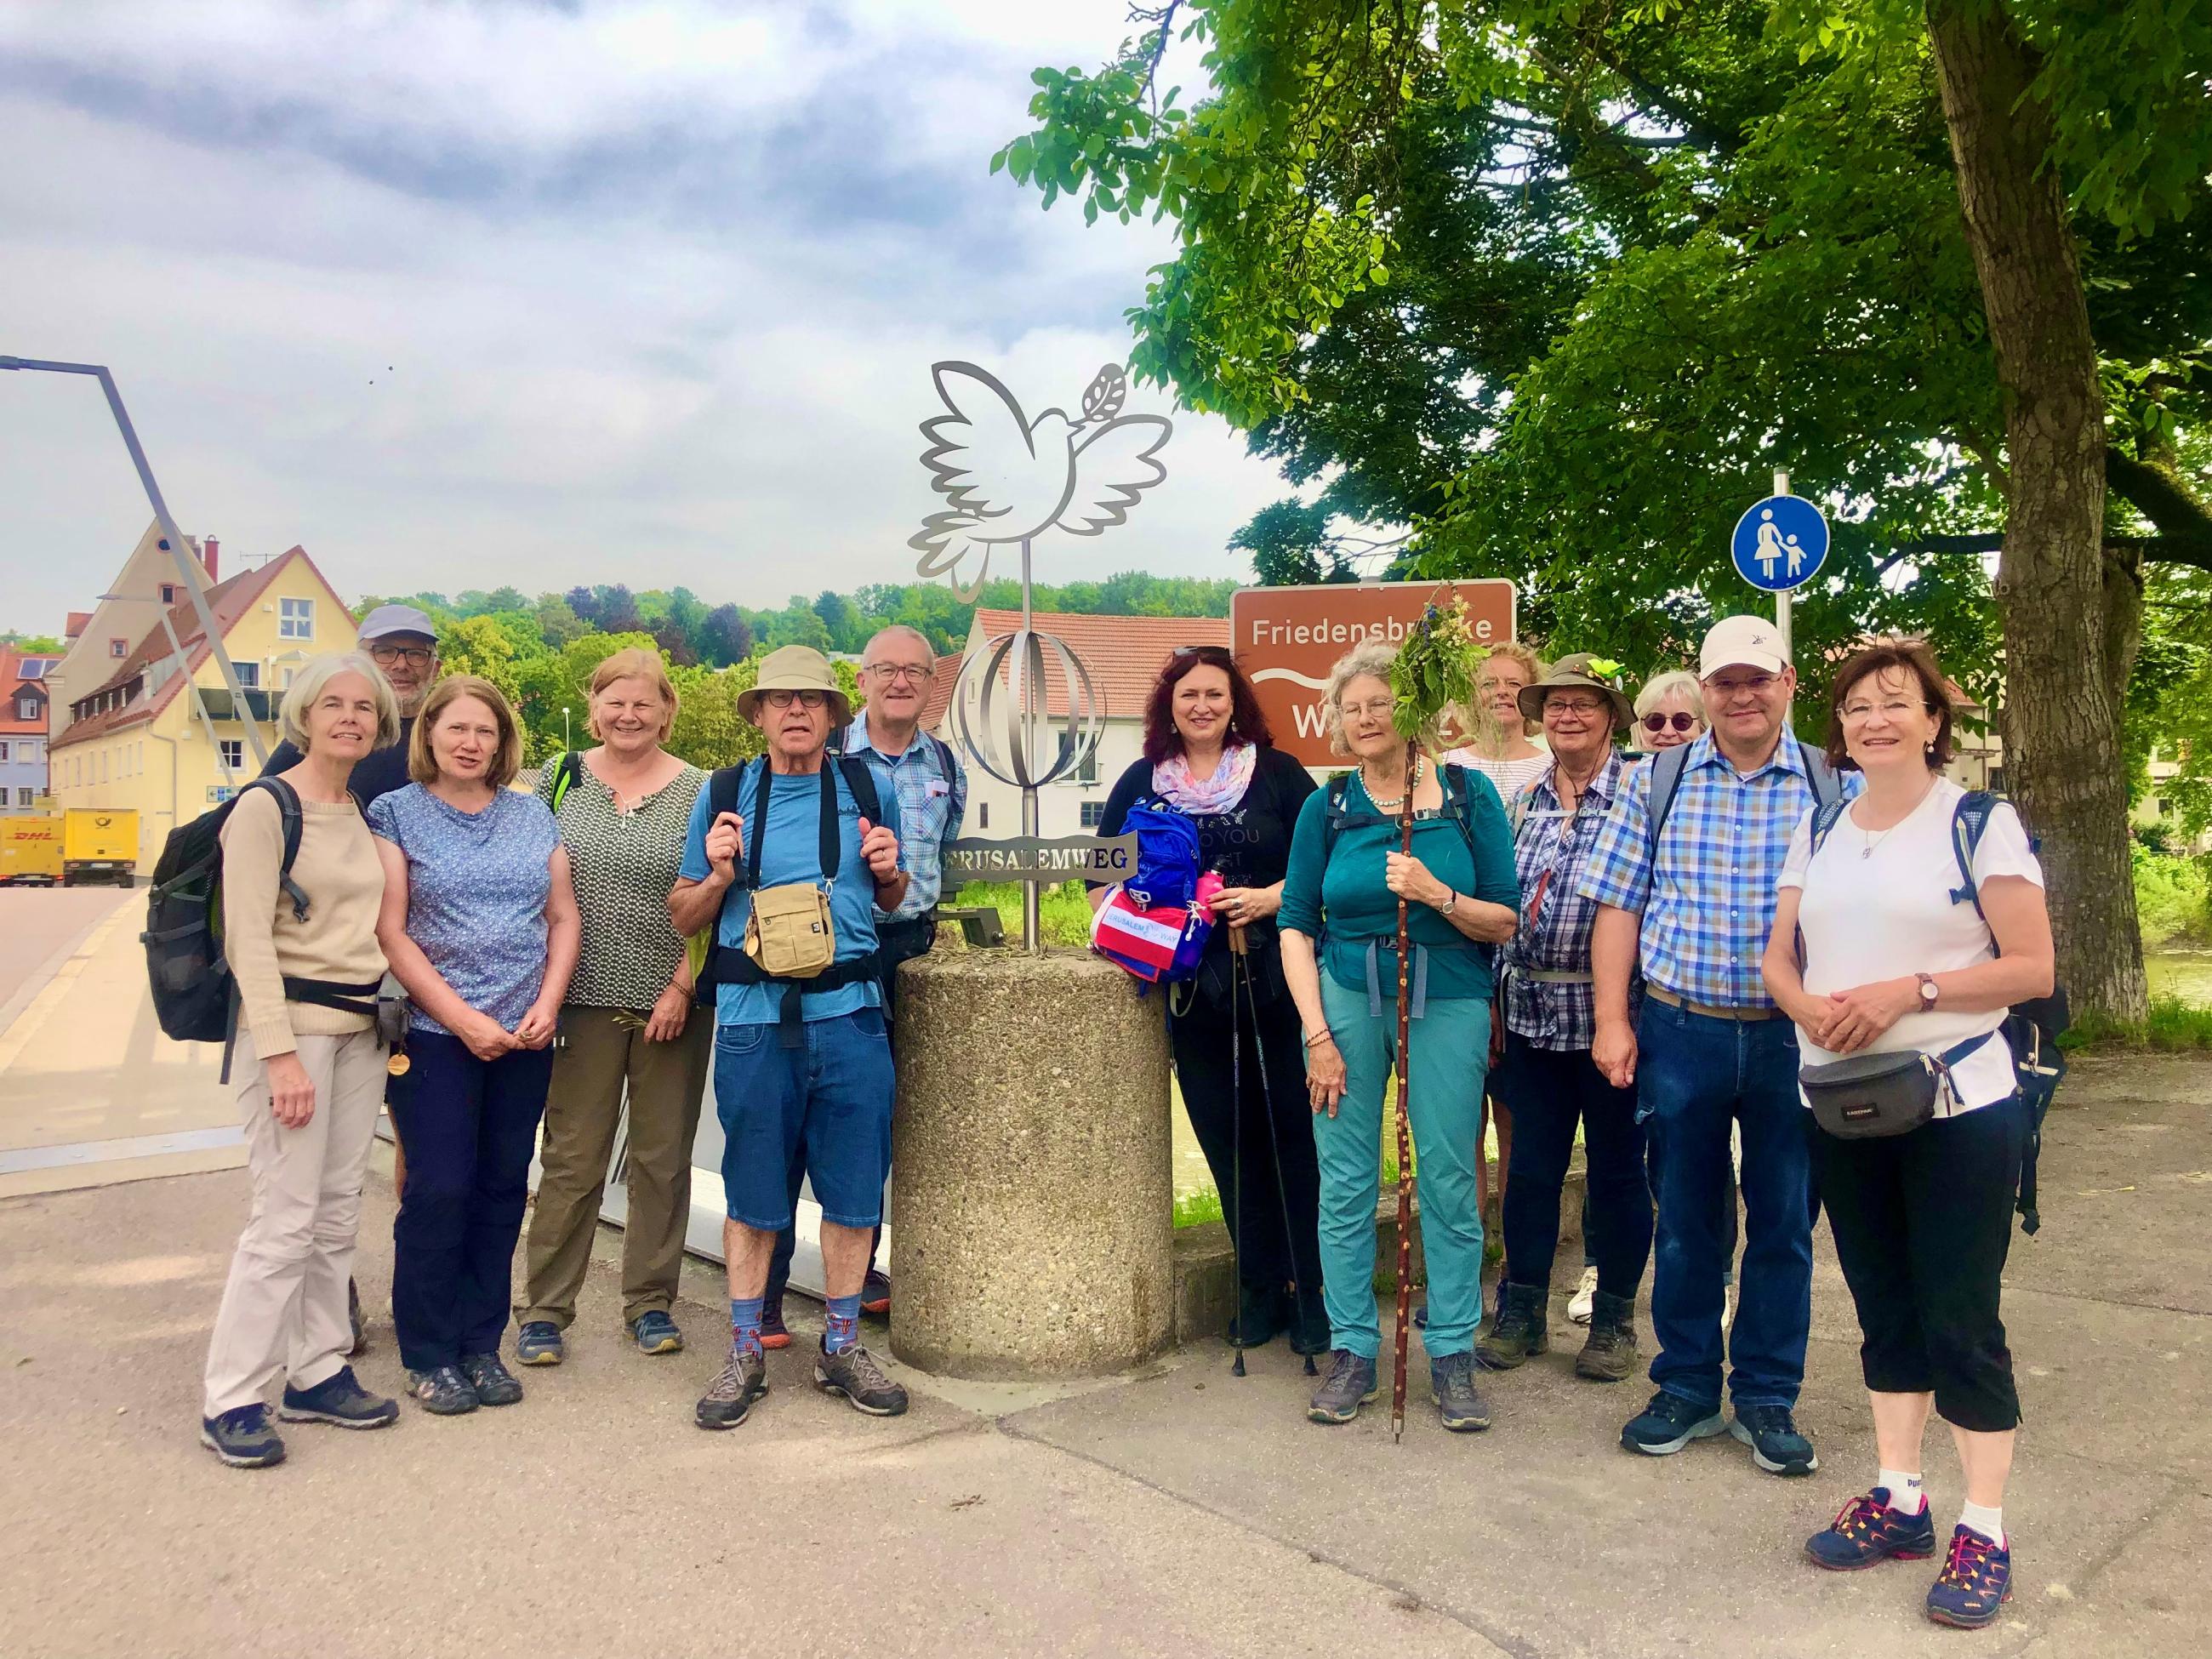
1200	797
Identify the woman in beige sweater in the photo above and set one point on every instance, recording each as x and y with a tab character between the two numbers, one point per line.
312	1070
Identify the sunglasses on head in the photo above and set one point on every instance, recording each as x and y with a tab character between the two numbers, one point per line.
1656	721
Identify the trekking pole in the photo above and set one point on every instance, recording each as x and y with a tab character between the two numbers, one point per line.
1236	1163
1239	960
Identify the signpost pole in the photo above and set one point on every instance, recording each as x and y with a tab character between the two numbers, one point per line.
1032	694
1781	599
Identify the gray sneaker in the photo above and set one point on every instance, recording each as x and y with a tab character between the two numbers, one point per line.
741	1380
855	1374
494	1384
1451	1385
1349	1385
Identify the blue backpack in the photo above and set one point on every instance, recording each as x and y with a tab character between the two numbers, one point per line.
1167	853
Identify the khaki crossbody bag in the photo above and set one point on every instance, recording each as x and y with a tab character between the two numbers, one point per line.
789	933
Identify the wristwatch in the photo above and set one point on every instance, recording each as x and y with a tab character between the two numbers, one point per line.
1927	993
1451	897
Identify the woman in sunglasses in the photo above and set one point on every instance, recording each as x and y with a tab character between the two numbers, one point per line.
1670	710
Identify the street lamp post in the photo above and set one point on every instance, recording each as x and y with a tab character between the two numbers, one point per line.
175	538
565	744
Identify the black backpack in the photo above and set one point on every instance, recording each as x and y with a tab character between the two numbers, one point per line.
2032	1028
195	997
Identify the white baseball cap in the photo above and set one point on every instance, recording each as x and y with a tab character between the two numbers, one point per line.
1744	643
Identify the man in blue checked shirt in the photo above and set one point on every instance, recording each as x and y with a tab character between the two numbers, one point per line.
1684	876
896	668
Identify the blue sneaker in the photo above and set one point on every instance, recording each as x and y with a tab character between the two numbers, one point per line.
1776	1445
1867	1531
1670	1423
339	1399
656	1333
1976	1581
242	1437
539	1343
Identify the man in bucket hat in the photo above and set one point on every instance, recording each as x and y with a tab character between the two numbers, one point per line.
1684	876
801	1054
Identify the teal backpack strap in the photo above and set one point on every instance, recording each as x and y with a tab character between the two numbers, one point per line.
1826	816
1970	819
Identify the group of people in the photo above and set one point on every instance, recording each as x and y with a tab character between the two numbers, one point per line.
1646	944
1642	945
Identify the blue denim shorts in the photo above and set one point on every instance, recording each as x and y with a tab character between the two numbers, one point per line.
833	1092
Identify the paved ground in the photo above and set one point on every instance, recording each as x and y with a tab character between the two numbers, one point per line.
1181	1511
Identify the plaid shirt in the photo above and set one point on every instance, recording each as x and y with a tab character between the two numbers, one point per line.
1550	850
1708	905
931	804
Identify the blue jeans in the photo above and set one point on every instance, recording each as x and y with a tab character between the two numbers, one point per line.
1694	1076
826	1104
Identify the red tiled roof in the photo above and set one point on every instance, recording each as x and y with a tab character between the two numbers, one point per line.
1124	654
77	623
940	691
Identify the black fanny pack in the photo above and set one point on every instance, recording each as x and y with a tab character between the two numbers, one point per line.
1867	1096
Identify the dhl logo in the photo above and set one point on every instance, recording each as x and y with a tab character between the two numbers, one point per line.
31	834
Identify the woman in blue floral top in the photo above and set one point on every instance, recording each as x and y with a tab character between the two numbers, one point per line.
480	925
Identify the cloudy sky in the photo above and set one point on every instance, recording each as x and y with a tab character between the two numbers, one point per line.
545	291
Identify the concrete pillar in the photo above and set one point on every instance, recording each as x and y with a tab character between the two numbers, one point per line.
1032	1203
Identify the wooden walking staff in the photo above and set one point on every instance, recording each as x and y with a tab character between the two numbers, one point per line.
1435	670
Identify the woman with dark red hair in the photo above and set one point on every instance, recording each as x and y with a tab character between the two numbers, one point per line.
1208	755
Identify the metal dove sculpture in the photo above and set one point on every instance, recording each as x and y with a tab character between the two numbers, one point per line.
1007	479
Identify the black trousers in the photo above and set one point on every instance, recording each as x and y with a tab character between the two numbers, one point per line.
1276	1231
1921	1224
1548	1092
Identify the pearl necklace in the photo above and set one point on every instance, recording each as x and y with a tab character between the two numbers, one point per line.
1412	782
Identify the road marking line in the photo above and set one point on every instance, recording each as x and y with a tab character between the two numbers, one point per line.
18	1035
111	1151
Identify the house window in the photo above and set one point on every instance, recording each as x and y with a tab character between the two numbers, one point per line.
296	619
23	797
27	708
3	751
1094	814
1087	771
168	592
234	753
118	647
249	673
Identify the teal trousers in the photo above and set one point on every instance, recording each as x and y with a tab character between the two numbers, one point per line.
1450	1052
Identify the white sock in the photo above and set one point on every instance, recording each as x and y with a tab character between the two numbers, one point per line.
1906	1495
1987	1521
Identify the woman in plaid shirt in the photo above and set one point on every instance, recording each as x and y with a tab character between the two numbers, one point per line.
1547	1078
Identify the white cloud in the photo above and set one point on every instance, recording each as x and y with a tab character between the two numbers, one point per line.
459	295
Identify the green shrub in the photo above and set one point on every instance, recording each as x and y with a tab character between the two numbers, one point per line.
2175	1026
1065	912
2171	898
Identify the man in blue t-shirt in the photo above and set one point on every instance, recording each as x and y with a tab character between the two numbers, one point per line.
797	1061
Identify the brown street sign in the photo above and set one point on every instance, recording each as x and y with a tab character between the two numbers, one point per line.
1287	639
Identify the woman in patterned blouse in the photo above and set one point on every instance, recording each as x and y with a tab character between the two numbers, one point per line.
629	1026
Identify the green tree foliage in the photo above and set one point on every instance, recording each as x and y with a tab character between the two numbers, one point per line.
479	646
42	644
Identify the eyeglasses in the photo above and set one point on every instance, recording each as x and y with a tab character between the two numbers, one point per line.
892	672
1895	709
1582	706
1656	721
783	699
414	656
1378	708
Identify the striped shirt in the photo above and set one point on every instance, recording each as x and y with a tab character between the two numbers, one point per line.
1550	850
932	798
1708	906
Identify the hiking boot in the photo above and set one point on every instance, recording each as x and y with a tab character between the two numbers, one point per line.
655	1332
1254	1325
1310	1329
774	1334
855	1373
443	1391
339	1399
352	1317
1776	1445
1579	1304
1521	1329
1451	1385
539	1343
1976	1581
1867	1530
242	1437
1609	1354
1669	1423
488	1375
1349	1385
741	1380
875	1294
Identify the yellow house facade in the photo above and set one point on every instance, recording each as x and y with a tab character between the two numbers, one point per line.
166	742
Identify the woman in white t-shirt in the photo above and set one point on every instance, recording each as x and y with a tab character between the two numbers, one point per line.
1898	957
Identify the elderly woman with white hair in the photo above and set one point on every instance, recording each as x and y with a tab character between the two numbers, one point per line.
1670	711
1338	930
301	947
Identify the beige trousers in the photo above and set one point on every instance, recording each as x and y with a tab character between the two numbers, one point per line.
667	1083
284	1307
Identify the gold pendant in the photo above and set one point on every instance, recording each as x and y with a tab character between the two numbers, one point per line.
399	1065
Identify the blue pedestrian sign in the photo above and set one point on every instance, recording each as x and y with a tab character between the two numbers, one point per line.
1779	543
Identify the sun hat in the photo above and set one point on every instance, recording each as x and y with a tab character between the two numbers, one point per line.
1742	643
796	668
1579	670
389	619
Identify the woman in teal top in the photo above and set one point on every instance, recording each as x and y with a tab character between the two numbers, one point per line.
1338	923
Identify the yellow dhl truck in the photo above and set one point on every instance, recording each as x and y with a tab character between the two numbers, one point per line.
30	851
99	844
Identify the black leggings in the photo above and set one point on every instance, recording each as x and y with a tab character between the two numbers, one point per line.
1548	1092
1921	1224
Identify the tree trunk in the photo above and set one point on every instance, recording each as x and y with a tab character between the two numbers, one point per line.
2067	640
